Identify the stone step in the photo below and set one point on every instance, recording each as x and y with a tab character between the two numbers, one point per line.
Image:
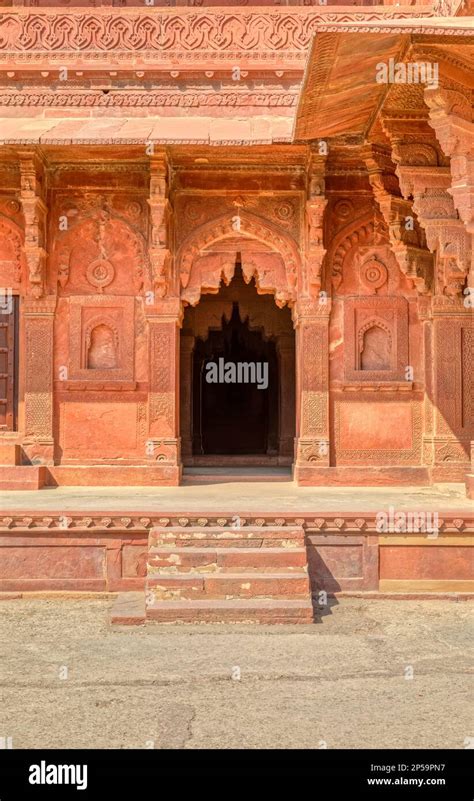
260	610
166	560
220	573
128	609
228	537
229	585
231	474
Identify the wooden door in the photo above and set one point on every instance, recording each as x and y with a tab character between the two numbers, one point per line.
8	362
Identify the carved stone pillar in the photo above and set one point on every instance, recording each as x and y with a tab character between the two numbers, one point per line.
38	315
312	368
453	388
38	442
163	442
186	378
286	353
426	317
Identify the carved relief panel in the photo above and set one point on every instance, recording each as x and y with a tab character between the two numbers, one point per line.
99	244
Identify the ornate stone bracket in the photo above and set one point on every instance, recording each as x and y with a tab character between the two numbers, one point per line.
425	176
407	239
158	249
445	232
315	206
451	117
34	209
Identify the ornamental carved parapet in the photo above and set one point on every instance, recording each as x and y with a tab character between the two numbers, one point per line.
407	239
158	248
32	188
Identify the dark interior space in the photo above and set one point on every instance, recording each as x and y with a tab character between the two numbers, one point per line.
235	418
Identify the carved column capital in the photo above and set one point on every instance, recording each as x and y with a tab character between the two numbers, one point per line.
32	194
310	310
316	203
160	212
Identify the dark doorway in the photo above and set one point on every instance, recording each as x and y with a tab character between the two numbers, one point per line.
235	391
235	422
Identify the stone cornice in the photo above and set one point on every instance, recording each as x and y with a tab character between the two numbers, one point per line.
104	523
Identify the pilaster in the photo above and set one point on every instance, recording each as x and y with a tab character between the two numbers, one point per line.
312	450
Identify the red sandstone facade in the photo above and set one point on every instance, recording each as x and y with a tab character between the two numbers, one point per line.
189	167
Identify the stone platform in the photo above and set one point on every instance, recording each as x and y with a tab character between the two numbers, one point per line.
97	539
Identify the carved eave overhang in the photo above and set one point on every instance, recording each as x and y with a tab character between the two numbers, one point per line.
341	93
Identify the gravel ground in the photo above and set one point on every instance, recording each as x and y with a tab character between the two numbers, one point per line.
70	680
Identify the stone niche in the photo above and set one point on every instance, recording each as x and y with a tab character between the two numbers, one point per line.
101	340
375	339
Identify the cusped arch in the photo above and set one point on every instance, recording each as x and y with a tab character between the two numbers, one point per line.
275	272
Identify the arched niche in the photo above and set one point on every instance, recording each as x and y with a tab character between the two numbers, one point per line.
375	347
102	348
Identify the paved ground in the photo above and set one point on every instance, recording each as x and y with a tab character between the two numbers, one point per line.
341	682
240	497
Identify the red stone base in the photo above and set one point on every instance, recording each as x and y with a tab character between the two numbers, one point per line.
115	476
10	453
108	552
27	477
361	476
470	486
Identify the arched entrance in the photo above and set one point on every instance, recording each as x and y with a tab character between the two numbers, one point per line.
237	377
